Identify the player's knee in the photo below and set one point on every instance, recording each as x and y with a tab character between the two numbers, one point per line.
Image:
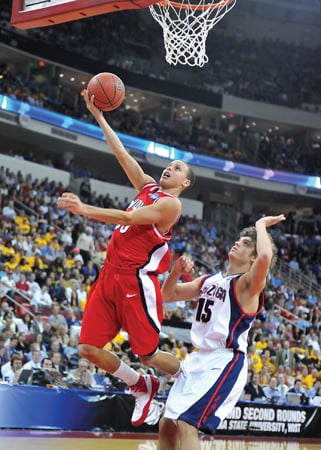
86	351
149	360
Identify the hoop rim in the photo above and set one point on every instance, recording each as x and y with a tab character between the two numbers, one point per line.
178	5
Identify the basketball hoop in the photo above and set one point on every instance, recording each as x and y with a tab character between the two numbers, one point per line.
186	26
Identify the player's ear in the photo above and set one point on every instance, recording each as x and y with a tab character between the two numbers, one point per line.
186	183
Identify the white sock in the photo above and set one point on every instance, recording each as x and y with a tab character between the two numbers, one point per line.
127	374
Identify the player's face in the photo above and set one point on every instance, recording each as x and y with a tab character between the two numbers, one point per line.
174	175
243	249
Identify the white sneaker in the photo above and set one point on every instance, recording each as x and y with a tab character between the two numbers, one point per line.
143	391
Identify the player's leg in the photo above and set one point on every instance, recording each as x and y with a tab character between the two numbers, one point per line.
164	361
188	436
100	357
168	437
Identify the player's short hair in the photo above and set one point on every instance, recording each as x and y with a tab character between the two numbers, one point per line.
251	233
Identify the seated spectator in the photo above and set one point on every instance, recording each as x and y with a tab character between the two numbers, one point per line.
35	361
34	346
46	363
25	325
11	370
8	211
56	319
22	345
71	353
82	375
315	389
41	299
271	391
253	391
298	389
283	388
37	324
7	286
101	378
58	363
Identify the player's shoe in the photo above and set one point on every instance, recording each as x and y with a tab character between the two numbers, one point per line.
144	391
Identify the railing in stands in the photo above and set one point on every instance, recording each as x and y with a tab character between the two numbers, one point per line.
288	316
297	279
28	210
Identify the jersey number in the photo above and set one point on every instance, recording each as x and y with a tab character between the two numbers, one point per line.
204	312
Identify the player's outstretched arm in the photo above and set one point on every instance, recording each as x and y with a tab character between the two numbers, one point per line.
252	283
163	213
133	170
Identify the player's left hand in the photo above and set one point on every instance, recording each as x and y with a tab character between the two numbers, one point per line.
184	265
71	202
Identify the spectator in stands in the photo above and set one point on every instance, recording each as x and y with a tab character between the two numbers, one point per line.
4	355
7	287
37	324
8	211
89	270
297	388
46	363
25	324
11	370
35	361
253	391
271	391
8	324
282	388
101	378
58	363
315	390
5	308
70	352
85	190
86	244
82	375
41	299
66	239
56	319
23	286
22	345
35	289
34	346
285	356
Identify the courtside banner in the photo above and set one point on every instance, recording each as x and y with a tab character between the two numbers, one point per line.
254	419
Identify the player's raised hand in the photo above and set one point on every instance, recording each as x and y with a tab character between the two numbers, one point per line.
184	265
269	221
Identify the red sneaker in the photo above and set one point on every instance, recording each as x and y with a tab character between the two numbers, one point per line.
144	391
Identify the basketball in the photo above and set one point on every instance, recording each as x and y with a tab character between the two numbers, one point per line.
108	89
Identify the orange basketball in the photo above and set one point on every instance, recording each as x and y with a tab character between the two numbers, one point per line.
108	89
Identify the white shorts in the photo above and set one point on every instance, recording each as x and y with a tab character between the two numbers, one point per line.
207	388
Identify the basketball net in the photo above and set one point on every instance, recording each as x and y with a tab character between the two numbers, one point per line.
186	26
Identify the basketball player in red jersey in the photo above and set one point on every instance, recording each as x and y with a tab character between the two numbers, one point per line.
127	293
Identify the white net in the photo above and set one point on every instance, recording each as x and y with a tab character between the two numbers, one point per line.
186	26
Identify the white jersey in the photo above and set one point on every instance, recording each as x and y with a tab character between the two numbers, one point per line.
213	378
219	320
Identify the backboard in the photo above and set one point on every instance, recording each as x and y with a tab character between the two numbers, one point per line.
28	14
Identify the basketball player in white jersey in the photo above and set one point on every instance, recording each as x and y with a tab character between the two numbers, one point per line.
213	377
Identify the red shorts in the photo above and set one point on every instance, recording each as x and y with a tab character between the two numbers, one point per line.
128	300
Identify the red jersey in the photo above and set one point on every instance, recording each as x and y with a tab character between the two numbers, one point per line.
141	246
